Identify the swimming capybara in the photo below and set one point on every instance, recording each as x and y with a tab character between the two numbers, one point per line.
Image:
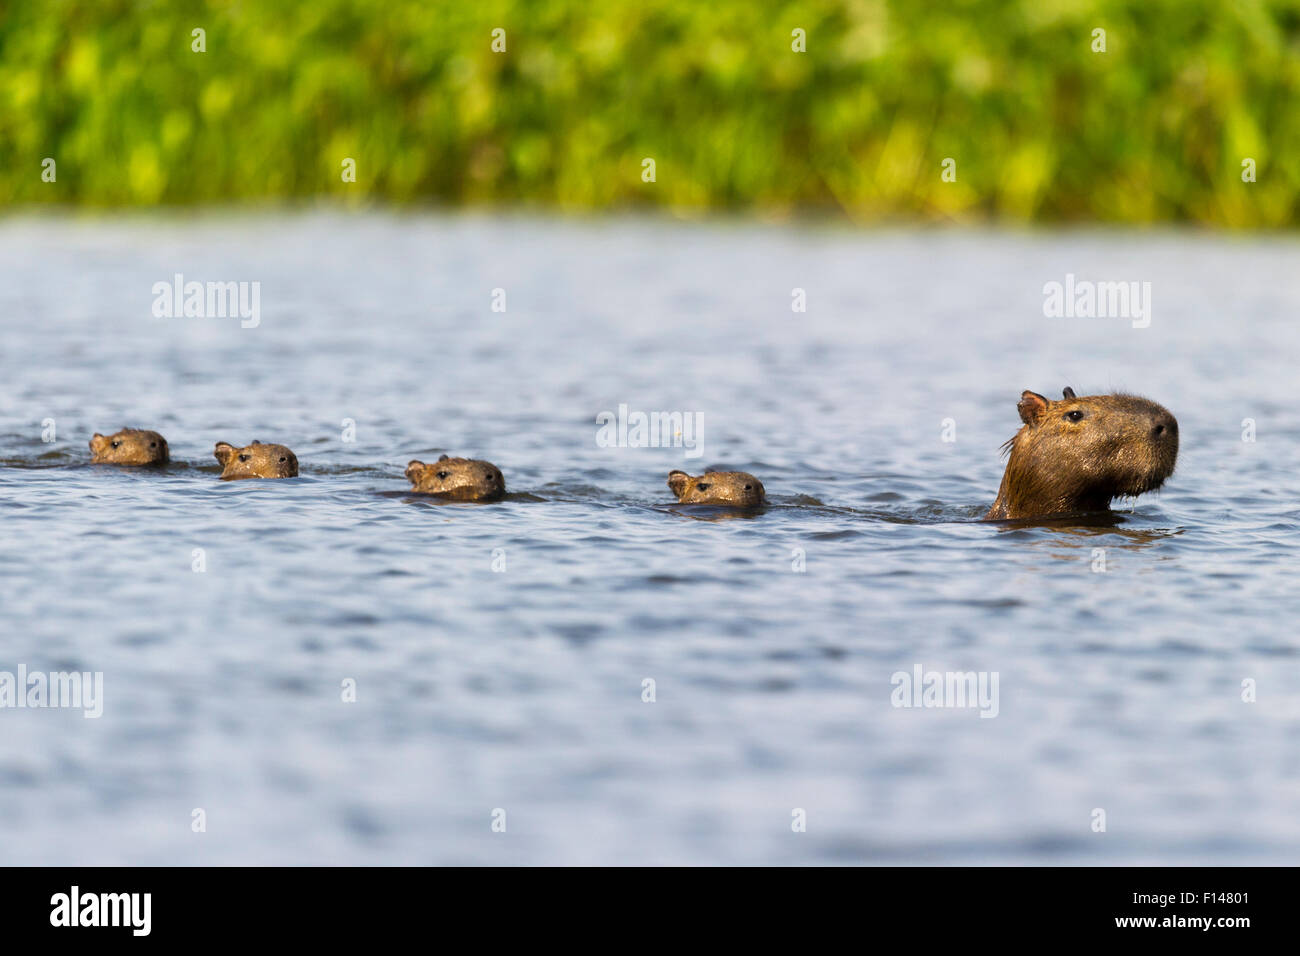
737	489
459	479
130	446
1075	455
255	461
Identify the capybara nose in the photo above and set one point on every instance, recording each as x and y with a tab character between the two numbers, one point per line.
1165	426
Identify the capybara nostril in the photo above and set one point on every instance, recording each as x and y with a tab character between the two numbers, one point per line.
1165	427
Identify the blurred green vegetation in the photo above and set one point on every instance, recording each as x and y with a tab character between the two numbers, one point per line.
1041	127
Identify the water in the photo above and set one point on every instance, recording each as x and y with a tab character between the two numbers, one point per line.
522	689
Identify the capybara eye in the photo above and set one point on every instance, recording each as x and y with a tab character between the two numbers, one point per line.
282	458
749	487
1074	416
245	457
443	474
116	443
153	444
703	487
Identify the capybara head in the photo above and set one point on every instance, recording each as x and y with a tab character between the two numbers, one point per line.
255	461
130	446
460	479
738	489
1075	455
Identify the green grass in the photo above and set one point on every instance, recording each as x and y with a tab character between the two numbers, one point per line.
1041	127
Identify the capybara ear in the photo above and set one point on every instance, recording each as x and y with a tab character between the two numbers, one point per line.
256	442
97	442
1031	406
414	470
677	481
443	457
223	451
1069	392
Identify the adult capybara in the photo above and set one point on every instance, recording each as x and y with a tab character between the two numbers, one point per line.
1076	455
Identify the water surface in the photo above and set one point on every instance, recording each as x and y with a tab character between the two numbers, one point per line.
521	688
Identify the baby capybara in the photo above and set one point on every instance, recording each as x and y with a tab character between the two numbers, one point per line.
130	446
255	461
1075	455
734	489
457	479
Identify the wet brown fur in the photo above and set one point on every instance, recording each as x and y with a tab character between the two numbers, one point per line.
1120	446
737	489
255	461
130	446
459	479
